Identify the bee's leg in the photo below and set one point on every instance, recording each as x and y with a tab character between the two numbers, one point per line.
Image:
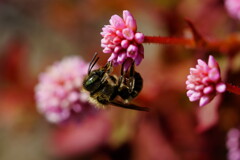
121	78
132	70
129	106
104	79
108	67
131	78
123	89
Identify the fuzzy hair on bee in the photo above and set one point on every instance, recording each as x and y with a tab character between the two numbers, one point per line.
104	87
103	96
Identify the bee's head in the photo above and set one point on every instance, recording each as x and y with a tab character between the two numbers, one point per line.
95	78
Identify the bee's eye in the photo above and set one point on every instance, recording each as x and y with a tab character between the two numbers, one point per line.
92	79
92	83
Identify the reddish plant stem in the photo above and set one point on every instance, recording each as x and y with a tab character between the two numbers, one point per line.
227	46
168	40
233	89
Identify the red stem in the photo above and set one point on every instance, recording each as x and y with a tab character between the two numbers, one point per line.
233	89
168	40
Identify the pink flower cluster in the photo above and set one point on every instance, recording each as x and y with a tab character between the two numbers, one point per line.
233	8
204	82
122	41
232	144
58	93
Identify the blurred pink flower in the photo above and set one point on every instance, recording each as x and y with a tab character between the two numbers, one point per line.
204	82
58	93
122	41
233	8
74	139
151	143
232	144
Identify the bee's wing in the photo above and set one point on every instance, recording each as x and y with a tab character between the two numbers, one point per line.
129	106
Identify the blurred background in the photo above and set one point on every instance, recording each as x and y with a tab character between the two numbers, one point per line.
36	33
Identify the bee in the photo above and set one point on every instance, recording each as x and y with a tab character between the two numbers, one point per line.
104	87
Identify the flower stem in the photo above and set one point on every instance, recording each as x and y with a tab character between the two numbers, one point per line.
168	40
233	89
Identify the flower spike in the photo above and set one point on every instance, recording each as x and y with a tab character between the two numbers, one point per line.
204	82
122	40
58	93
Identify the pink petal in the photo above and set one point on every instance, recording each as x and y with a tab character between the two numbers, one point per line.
138	59
203	66
212	63
205	80
194	71
109	37
125	43
214	75
195	96
73	96
128	34
221	87
117	22
198	67
201	62
111	45
204	100
121	57
117	49
233	133
116	40
112	57
103	33
190	77
60	92
131	23
119	34
132	51
103	45
126	14
190	86
104	41
107	50
233	7
56	116
190	92
208	89
199	87
139	37
108	29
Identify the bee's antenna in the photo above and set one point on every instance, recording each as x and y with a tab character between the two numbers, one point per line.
93	59
93	62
